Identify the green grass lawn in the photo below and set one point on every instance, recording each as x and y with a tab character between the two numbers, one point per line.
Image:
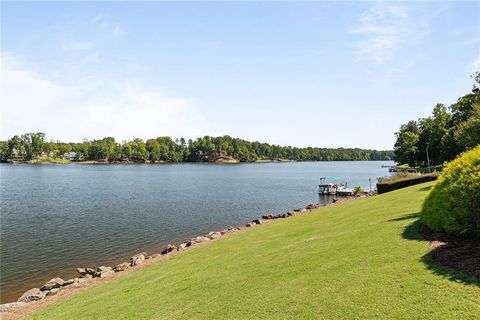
362	259
52	160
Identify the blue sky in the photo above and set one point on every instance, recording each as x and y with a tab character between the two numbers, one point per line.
291	73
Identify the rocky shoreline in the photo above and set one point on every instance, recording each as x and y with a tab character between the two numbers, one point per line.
86	274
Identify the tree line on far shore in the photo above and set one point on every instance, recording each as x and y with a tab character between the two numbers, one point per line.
444	135
31	146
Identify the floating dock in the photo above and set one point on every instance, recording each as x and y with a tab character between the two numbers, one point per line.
331	187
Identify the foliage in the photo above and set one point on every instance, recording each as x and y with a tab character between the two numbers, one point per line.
358	191
398	176
399	182
453	205
348	261
468	131
446	133
165	149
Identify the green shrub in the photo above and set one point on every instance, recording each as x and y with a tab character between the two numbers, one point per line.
397	182
358	191
453	205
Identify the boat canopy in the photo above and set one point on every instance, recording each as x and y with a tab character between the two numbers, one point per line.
330	178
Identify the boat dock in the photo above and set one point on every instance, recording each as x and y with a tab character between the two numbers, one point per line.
331	186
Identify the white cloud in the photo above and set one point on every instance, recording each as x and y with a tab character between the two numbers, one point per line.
384	28
31	102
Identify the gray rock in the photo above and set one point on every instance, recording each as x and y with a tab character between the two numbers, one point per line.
290	213
154	256
257	221
248	225
200	239
104	269
137	259
53	283
78	281
214	235
68	282
32	295
104	272
184	245
90	271
267	216
53	292
121	267
86	276
168	248
81	271
7	307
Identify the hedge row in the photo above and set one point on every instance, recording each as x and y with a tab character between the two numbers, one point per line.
388	186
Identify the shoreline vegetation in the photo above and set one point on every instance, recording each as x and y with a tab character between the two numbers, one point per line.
220	160
441	137
33	148
303	247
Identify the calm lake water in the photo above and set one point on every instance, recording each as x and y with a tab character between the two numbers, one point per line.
55	218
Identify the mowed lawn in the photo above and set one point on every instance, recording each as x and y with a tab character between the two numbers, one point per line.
362	259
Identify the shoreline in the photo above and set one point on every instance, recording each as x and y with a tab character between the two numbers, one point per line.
96	162
14	310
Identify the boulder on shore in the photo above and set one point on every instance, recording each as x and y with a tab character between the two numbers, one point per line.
104	271
90	271
121	267
168	248
53	283
200	239
7	307
78	281
257	221
53	292
268	216
214	235
137	259
32	295
68	282
184	245
154	256
81	271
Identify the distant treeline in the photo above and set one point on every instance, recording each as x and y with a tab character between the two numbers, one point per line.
32	146
447	133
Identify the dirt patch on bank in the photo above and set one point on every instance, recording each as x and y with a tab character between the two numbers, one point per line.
459	253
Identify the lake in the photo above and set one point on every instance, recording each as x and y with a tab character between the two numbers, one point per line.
55	218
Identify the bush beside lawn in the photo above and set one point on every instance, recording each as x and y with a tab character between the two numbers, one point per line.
453	205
